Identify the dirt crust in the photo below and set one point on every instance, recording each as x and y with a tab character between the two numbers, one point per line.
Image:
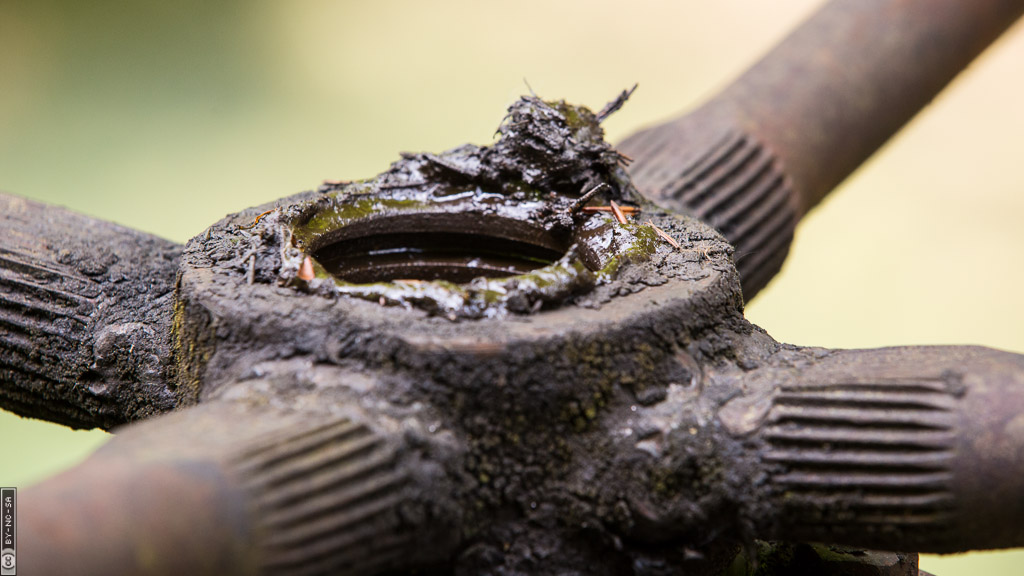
573	432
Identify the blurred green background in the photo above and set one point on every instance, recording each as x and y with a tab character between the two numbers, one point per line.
164	116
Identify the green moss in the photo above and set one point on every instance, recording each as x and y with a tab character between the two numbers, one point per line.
491	297
576	117
343	210
192	347
645	241
550	283
549	276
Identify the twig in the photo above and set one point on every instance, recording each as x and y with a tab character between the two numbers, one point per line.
611	107
665	236
705	252
617	212
582	200
596	209
257	220
528	87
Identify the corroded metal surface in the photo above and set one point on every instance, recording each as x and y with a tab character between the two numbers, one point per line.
497	360
769	147
84	306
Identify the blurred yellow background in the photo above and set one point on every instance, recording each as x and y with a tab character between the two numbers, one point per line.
164	116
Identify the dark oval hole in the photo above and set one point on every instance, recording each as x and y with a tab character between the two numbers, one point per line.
453	247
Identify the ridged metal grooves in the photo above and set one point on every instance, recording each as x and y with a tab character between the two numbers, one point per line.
862	457
44	310
737	186
327	501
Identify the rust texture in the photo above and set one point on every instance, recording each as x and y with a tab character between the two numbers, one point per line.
84	310
510	360
759	155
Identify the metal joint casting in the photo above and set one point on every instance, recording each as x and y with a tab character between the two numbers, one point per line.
529	357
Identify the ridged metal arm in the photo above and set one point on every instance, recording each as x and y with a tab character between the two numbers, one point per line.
756	157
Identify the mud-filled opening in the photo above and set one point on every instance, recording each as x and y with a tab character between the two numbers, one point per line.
456	247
